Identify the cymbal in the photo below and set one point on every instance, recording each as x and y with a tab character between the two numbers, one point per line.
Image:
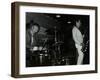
53	28
58	43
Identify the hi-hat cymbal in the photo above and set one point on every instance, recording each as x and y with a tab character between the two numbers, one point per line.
58	43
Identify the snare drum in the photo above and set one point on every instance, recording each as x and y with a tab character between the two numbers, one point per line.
42	48
35	48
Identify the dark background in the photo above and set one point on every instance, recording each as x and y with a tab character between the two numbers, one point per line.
64	24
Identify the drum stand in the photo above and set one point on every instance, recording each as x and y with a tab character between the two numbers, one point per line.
57	48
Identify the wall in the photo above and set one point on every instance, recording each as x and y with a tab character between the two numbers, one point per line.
5	40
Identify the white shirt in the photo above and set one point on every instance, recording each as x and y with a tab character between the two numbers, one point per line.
77	36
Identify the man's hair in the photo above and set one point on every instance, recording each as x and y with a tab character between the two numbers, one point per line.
76	20
31	23
28	25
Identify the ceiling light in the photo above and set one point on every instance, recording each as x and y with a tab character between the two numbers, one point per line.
58	16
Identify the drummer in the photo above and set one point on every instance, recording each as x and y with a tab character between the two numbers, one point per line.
31	32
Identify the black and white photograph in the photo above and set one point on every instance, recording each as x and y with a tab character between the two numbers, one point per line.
51	39
57	39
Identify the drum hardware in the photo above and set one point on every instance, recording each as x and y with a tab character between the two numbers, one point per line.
56	48
44	52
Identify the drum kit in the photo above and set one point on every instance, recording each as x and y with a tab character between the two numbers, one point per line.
50	52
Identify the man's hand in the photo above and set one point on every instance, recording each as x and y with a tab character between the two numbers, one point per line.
82	44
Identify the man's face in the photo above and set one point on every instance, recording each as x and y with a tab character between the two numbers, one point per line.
78	23
34	29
